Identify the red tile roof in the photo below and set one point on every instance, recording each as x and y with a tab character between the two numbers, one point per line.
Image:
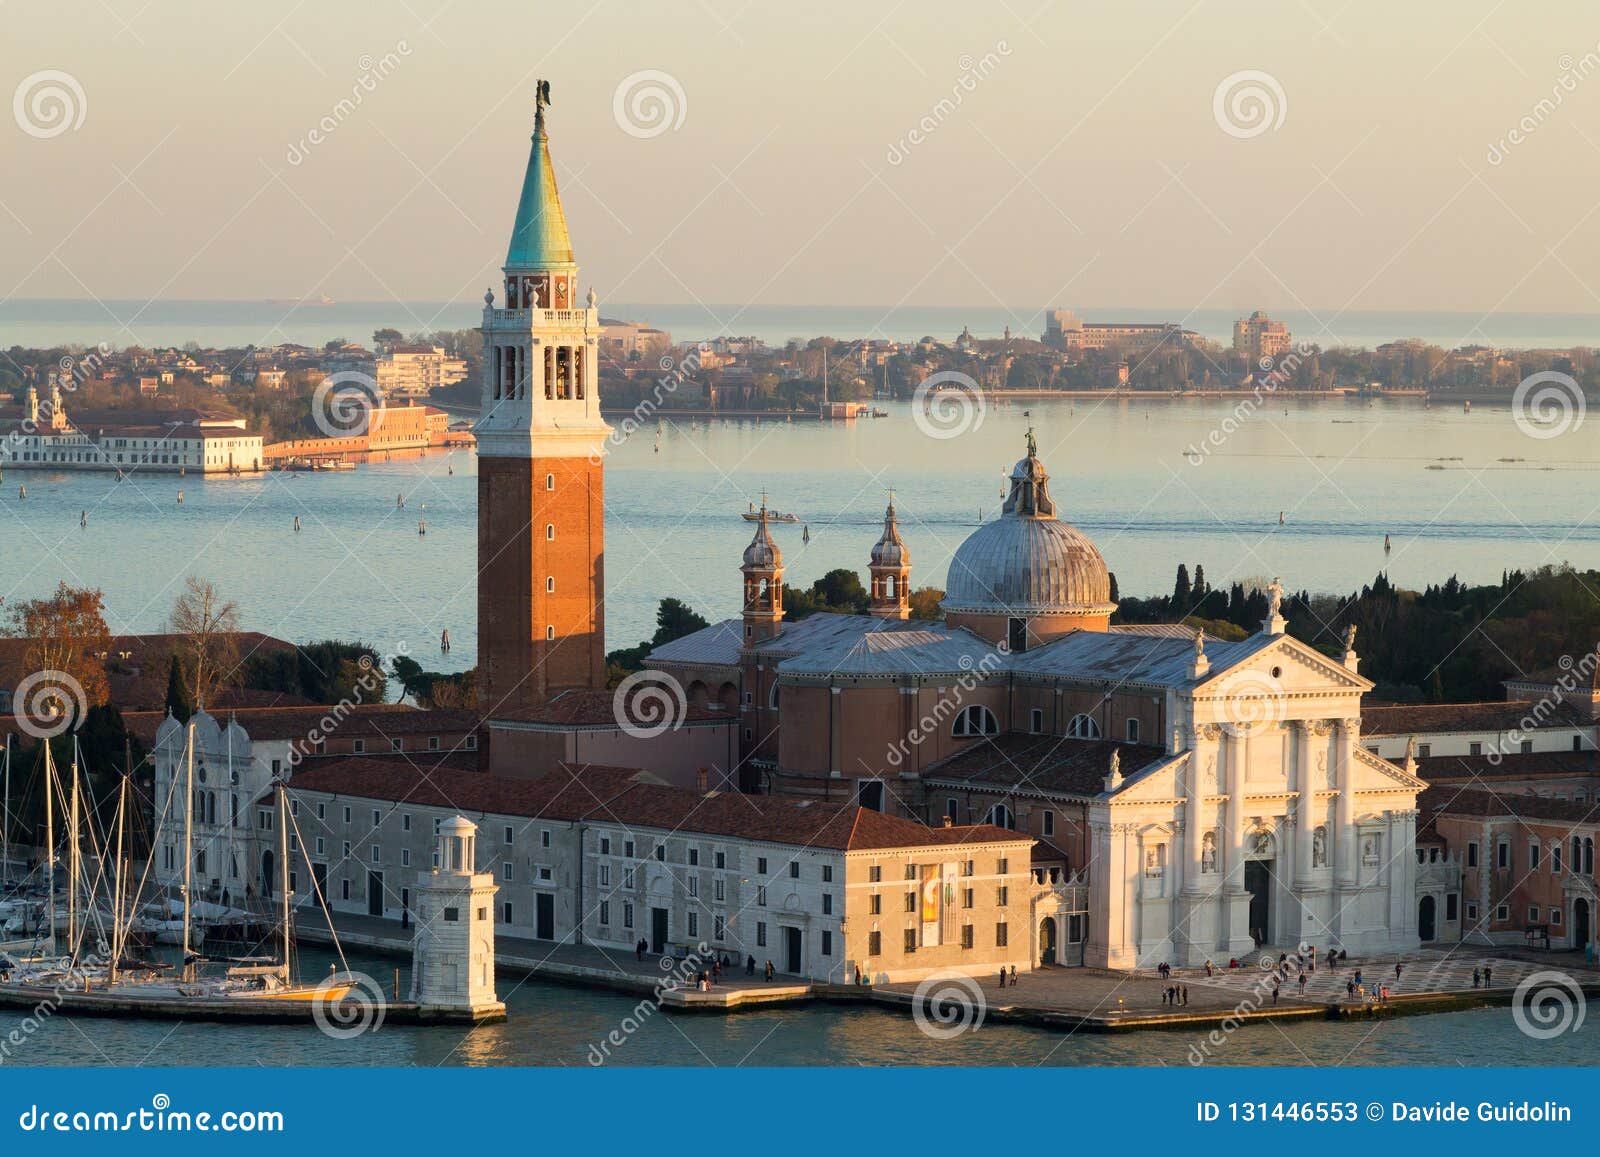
568	792
1515	765
1420	718
1451	801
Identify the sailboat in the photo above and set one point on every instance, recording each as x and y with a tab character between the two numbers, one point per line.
106	976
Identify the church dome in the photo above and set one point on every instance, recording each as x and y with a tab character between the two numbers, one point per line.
1028	562
763	552
890	549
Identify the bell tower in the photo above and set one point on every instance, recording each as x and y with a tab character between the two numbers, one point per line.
541	443
891	571
763	583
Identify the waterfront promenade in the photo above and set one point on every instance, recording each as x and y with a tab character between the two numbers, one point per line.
1071	999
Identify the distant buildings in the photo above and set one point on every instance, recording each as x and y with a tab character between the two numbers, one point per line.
1258	336
621	340
414	371
1064	330
164	441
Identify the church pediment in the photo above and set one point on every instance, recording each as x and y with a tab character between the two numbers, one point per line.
1376	774
1156	783
1286	666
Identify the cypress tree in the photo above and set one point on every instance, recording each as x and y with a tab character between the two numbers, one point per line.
178	702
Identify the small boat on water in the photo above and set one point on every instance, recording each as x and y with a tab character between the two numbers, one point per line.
754	515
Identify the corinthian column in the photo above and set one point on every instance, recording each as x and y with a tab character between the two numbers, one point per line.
1345	809
1232	841
1306	810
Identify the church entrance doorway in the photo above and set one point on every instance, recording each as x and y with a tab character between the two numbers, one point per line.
1047	940
658	930
1425	912
1258	882
1580	923
793	956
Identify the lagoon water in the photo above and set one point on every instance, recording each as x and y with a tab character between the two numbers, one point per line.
556	1025
1458	492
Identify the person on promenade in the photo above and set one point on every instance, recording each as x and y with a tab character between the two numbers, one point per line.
1274	992
1477	977
1185	990
1210	971
750	966
769	970
1302	984
1013	976
1398	968
1002	976
1488	976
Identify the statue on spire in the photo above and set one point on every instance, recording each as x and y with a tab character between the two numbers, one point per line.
541	94
1033	446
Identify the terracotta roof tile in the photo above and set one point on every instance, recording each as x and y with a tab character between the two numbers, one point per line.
1042	763
1421	718
1445	801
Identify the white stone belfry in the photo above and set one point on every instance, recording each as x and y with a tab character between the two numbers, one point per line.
452	955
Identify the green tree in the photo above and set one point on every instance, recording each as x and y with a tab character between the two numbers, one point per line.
179	705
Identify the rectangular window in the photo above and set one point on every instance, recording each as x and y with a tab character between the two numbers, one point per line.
966	936
966	897
377	854
827	873
761	934
1533	913
505	913
1452	905
1555	858
1000	934
827	903
544	839
1003	896
694	923
627	915
911	871
1474	748
605	845
794	869
761	895
694	857
719	888
827	943
694	885
347	814
627	849
911	901
1527	747
405	821
344	889
875	906
452	915
1035	721
874	943
661	853
875	874
510	836
1555	916
405	857
605	911
1004	866
1048	824
761	866
1502	854
722	859
505	871
605	875
719	928
1533	857
1472	854
1502	913
377	818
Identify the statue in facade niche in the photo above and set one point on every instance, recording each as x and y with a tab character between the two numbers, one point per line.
1319	848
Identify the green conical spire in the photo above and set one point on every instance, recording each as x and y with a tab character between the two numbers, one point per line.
539	239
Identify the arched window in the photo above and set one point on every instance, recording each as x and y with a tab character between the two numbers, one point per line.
772	699
550	532
549	632
1588	855
1001	817
1035	721
550	585
1083	727
1133	731
975	720
549	481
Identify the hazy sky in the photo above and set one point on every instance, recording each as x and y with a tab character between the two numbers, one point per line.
1084	162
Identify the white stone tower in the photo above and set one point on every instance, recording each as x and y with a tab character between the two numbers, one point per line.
452	954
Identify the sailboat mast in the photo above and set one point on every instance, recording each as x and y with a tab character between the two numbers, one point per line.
283	871
74	850
5	820
188	844
116	892
50	841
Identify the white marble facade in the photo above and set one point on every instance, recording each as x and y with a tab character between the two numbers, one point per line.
1266	821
